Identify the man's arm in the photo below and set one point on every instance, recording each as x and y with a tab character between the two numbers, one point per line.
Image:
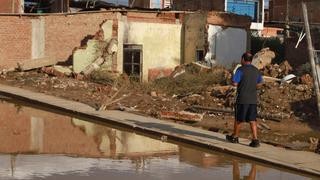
259	81
237	77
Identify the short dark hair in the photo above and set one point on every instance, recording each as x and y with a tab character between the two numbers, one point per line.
247	56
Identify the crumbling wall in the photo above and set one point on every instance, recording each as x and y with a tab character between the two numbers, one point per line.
65	33
194	5
195	36
15	38
11	6
278	10
226	45
161	45
46	36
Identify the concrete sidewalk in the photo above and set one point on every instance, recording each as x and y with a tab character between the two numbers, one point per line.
306	162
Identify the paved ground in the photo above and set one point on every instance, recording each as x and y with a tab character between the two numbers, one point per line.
301	161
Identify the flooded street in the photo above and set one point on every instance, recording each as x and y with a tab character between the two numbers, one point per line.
36	144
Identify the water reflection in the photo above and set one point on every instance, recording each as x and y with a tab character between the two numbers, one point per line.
236	171
41	145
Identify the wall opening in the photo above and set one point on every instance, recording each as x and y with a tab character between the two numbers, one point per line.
132	61
200	55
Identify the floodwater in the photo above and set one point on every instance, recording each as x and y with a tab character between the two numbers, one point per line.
36	144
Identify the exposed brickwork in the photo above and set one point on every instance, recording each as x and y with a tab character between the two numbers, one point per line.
227	19
194	5
10	6
161	17
158	73
278	9
65	33
140	3
15	38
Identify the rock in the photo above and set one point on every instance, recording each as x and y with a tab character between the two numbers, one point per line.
306	79
182	116
59	71
285	68
220	91
263	58
153	94
318	148
193	99
301	88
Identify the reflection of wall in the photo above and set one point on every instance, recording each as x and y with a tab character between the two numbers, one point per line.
31	130
226	45
200	158
116	143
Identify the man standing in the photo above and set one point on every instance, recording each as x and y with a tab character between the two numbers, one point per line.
247	79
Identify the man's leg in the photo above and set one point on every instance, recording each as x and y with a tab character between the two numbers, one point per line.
236	128
253	125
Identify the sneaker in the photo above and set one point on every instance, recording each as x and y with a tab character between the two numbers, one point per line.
232	139
255	143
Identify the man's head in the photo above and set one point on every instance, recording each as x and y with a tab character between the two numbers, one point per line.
246	58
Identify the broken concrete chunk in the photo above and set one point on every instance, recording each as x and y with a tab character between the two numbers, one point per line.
263	58
306	79
36	63
84	57
182	116
59	71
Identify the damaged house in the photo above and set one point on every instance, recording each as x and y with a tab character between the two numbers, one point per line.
144	44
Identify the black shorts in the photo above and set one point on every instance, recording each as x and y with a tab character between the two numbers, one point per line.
246	112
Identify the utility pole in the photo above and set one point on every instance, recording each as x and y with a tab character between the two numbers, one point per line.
287	19
312	57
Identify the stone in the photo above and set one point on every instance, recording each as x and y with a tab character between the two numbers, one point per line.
285	68
263	58
83	57
182	116
306	79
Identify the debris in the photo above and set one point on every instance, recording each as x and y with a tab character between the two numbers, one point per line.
264	125
288	78
182	116
153	94
193	99
301	87
221	91
306	79
58	71
36	63
93	66
110	50
318	148
285	67
263	58
273	117
128	109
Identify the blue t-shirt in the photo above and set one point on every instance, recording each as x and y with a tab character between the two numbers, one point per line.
247	77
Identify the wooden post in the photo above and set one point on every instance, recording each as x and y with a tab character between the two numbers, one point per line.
315	68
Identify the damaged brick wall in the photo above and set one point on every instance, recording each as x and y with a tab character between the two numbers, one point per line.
278	9
15	38
139	3
11	6
194	5
62	34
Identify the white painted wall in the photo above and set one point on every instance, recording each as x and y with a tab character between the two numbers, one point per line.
161	44
38	38
226	45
